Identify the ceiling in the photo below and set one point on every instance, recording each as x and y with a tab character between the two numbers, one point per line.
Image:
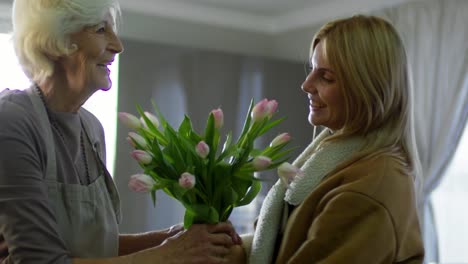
271	28
267	16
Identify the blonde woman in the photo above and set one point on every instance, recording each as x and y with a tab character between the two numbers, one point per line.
356	199
58	203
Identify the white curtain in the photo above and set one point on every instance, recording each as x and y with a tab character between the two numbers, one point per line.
435	33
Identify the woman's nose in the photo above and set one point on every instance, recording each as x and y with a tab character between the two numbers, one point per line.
308	85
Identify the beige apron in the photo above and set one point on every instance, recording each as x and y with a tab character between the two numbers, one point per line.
87	216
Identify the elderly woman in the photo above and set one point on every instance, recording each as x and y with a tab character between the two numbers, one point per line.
58	203
356	199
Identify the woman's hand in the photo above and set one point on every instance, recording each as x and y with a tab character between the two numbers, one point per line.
236	255
199	244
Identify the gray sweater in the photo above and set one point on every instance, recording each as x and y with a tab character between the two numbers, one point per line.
26	220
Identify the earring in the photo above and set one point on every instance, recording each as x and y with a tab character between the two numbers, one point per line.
73	47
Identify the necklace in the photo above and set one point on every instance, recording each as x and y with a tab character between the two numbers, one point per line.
55	126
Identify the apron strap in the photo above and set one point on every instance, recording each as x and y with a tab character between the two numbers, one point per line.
111	188
39	108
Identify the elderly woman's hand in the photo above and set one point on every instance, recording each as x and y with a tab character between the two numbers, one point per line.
199	244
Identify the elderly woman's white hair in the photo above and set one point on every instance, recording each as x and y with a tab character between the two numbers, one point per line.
41	30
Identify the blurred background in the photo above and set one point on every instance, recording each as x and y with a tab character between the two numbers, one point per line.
196	55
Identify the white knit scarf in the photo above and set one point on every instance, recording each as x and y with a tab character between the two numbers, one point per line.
316	163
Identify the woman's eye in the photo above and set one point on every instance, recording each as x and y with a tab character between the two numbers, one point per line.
328	80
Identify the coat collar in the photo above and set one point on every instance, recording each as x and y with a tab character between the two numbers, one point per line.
316	161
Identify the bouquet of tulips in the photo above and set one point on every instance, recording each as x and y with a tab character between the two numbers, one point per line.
207	178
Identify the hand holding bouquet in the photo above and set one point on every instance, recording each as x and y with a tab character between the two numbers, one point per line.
207	178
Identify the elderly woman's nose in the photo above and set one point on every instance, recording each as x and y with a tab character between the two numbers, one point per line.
115	44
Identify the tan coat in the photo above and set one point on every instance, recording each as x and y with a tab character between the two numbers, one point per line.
362	212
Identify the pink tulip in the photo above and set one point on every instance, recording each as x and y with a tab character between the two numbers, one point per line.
288	172
139	140
130	141
141	183
272	106
261	163
264	109
280	139
260	110
141	156
218	117
202	149
154	120
187	180
129	120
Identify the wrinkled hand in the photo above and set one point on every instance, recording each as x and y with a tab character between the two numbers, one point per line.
174	230
207	244
236	239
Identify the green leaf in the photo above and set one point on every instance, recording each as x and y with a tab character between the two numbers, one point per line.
277	163
228	149
254	131
173	150
185	127
256	152
178	192
223	194
200	214
247	176
162	120
155	149
247	121
241	184
152	131
251	194
209	130
188	219
164	164
194	137
270	124
278	155
229	199
226	213
228	141
148	122
153	197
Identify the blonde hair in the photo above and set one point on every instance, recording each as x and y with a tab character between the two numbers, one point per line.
370	64
41	30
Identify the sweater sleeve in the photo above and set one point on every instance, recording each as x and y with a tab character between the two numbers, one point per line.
351	228
27	222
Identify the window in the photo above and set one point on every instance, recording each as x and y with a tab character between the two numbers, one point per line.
449	201
102	104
